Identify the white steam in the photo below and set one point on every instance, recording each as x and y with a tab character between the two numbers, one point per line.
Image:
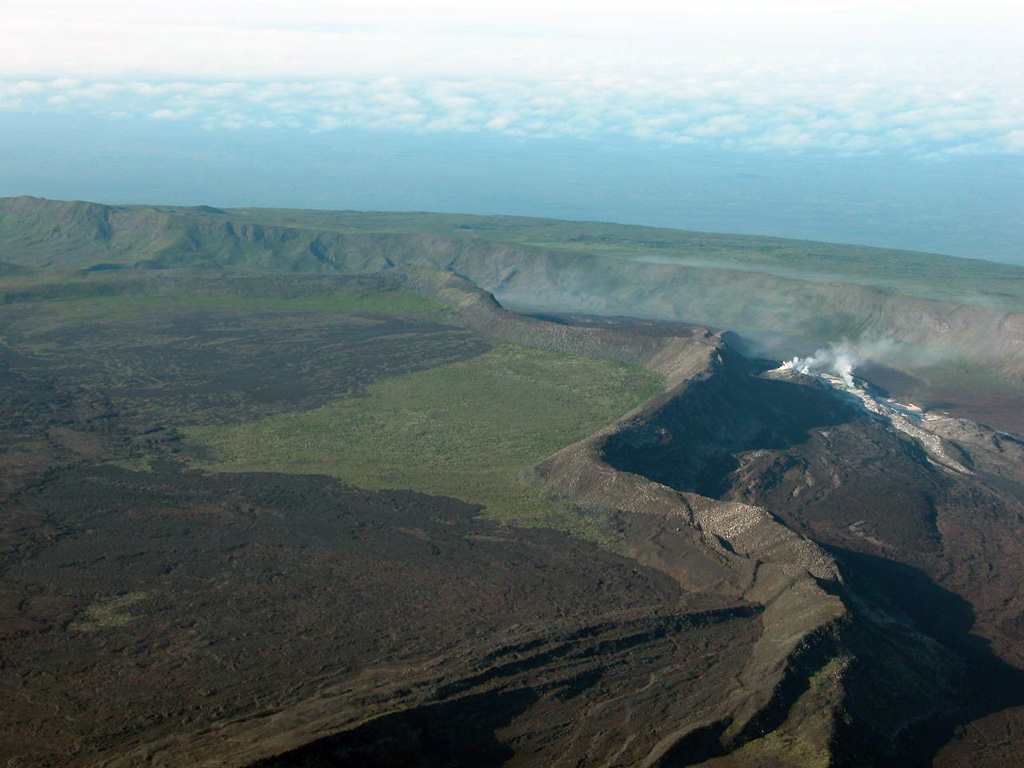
838	361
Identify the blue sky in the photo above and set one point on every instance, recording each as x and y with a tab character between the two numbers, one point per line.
857	121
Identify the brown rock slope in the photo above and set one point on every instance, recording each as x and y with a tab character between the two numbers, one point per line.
923	562
189	620
794	695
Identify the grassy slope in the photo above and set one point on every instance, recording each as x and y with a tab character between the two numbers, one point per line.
225	238
926	275
466	430
126	292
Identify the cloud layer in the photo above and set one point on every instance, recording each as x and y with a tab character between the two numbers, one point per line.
743	107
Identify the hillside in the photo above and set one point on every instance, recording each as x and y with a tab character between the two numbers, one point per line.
77	234
953	325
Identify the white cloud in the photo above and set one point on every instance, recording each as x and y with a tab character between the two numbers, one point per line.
858	104
171	114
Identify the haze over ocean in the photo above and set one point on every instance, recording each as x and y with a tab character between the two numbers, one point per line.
843	121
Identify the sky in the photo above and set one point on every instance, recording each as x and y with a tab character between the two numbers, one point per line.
884	123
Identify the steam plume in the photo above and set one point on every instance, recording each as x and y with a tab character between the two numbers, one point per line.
839	361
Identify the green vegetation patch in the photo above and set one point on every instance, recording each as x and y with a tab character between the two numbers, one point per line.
466	430
131	293
109	613
393	302
803	741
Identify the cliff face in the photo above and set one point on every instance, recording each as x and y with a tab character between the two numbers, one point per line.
666	468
